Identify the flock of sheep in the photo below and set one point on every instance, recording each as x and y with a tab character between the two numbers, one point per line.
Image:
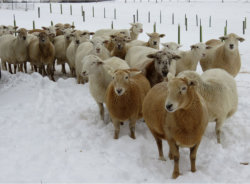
137	80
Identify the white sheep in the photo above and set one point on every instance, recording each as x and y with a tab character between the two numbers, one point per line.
61	44
79	37
14	49
93	47
223	55
189	59
96	70
153	42
218	88
171	47
133	32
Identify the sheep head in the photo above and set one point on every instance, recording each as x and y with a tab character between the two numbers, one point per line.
121	80
154	39
163	61
231	41
179	93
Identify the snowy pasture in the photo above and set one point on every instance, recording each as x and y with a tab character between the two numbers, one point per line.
51	131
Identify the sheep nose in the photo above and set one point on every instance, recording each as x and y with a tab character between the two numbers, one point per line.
77	41
141	30
169	107
231	46
24	38
155	42
84	73
164	73
98	50
67	37
119	91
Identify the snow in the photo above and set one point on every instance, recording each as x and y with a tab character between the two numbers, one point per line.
52	132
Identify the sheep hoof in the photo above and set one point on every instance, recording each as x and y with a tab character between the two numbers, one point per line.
193	170
122	123
162	158
132	136
175	174
116	136
218	140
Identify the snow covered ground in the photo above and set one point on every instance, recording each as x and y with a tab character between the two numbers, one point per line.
51	131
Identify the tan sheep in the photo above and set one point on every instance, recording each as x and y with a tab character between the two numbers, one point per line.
119	49
174	111
41	53
218	88
153	42
124	98
225	55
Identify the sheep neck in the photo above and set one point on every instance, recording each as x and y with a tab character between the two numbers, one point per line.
44	48
133	35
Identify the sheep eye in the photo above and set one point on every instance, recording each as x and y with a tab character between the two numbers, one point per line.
159	62
197	47
167	46
126	77
183	88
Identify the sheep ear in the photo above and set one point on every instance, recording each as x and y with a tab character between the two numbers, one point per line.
178	46
4	27
208	47
164	44
240	39
72	26
134	73
191	82
176	57
148	34
105	41
161	35
99	63
132	24
45	28
192	47
16	27
112	36
151	56
127	39
91	33
170	76
223	38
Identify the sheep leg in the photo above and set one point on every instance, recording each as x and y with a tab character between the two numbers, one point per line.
193	152
10	69
33	68
117	128
25	66
175	151
15	67
219	123
50	71
4	65
101	110
159	146
63	68
132	128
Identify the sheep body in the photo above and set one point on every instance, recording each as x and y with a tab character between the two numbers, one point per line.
183	125
218	88
223	56
97	70
124	98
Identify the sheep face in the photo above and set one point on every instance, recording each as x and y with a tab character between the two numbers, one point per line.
22	34
162	62
68	34
120	41
91	65
59	26
177	97
98	45
171	46
199	49
154	39
43	38
86	34
137	28
10	29
231	41
121	80
51	30
78	38
68	26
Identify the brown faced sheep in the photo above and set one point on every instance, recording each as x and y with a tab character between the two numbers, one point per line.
224	55
42	52
175	112
119	49
124	98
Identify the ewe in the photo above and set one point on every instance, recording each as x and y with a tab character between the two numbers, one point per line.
175	111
